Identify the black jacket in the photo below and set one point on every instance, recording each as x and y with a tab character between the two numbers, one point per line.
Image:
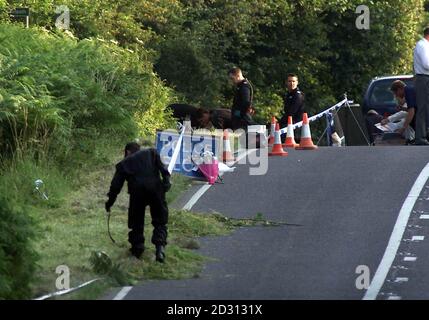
294	105
142	171
242	99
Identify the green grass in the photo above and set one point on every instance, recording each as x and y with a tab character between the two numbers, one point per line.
76	228
72	226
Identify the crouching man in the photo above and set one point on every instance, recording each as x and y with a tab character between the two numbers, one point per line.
142	169
404	118
407	104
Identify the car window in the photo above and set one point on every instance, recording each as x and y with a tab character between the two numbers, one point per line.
381	94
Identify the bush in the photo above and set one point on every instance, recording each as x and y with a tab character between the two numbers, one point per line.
17	257
59	94
267	105
20	211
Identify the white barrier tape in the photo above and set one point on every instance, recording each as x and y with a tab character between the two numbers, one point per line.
317	116
176	151
62	292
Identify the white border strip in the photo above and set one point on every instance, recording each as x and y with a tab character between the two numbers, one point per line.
396	237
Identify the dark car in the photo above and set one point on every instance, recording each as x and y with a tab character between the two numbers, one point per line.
379	97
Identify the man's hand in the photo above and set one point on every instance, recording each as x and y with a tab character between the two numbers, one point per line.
384	121
166	185
108	205
401	131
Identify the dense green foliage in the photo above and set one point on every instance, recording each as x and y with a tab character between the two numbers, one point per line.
194	43
55	88
20	208
17	257
318	40
66	104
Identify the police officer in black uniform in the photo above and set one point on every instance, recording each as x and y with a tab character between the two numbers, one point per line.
241	111
142	170
293	102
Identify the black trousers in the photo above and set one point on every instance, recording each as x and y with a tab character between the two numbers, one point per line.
136	216
370	121
421	84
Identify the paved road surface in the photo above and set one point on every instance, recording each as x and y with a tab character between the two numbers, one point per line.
345	202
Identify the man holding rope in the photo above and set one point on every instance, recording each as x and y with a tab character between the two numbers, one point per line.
142	170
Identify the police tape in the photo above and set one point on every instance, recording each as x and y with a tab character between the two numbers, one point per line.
176	151
319	115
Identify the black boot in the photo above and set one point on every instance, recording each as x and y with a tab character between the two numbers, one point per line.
160	255
137	252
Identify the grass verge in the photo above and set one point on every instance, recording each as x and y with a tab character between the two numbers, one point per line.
76	228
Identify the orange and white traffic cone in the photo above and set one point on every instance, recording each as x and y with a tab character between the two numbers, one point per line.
227	155
306	143
272	131
290	137
277	147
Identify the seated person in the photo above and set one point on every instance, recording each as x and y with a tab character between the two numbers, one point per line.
404	118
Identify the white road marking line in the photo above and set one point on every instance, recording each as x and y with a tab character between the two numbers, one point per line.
396	236
394	298
424	217
399	279
197	195
121	294
417	238
409	259
188	206
62	292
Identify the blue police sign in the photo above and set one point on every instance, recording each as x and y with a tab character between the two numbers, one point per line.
191	148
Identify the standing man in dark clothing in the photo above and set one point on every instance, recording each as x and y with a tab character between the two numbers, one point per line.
293	101
142	170
293	104
241	111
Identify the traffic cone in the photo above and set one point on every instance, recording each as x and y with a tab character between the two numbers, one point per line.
272	131
306	143
227	155
277	147
290	137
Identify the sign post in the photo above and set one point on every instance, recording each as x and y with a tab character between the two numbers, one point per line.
190	149
21	13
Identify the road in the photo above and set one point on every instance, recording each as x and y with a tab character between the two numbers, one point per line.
344	202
